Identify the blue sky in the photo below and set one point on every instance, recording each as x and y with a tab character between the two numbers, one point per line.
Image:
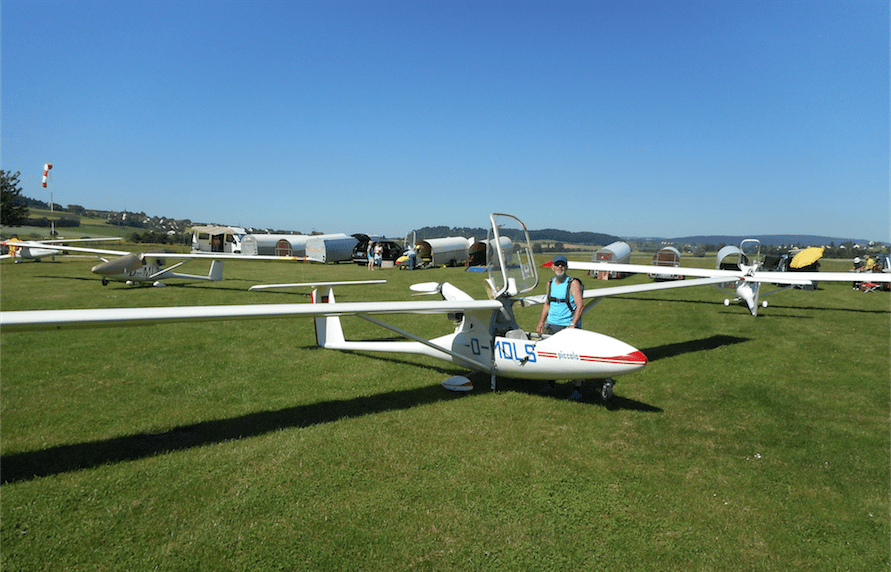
643	118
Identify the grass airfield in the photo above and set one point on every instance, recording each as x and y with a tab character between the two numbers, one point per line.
746	444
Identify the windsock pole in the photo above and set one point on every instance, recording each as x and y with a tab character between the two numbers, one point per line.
46	169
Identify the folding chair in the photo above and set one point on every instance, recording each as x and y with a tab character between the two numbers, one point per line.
868	286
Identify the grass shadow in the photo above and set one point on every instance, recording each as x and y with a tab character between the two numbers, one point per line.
29	465
82	278
678	348
590	390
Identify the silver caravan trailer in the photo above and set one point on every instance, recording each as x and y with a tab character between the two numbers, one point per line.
728	259
274	244
668	257
477	251
331	248
616	253
448	251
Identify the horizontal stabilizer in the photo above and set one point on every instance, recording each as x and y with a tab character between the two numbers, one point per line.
316	284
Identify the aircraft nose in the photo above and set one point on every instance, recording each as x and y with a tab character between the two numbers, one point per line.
119	266
636	357
626	363
585	353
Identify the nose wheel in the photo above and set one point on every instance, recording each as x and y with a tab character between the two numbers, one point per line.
606	390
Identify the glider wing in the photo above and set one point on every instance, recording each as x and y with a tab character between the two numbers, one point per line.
33	320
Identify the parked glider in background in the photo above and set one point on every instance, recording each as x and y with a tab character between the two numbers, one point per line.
486	337
135	268
36	250
745	282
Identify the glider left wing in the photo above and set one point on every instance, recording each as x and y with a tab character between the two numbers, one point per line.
178	255
36	320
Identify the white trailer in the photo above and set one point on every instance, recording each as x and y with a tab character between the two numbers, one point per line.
331	248
448	251
728	259
274	244
616	253
668	257
478	251
280	244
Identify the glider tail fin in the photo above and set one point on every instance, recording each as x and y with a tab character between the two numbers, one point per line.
328	329
216	270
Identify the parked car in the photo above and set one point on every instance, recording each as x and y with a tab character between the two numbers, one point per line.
392	249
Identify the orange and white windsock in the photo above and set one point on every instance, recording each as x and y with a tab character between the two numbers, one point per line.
46	170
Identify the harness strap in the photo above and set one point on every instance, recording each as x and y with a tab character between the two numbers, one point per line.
568	300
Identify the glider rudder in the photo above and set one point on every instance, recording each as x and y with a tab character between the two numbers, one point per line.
328	328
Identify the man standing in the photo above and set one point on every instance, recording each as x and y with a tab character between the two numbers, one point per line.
563	308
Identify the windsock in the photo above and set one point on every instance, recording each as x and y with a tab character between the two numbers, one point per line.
46	170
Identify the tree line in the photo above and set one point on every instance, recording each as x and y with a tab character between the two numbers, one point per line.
548	235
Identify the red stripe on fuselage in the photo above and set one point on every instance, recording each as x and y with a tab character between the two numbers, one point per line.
633	358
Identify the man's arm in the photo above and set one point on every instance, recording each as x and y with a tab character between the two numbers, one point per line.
576	291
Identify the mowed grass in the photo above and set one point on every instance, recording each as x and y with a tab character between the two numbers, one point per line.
746	444
89	227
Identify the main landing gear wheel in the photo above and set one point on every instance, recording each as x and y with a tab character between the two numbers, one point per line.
606	390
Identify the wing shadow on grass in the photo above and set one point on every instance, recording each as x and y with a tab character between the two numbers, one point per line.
617	403
82	278
28	465
676	349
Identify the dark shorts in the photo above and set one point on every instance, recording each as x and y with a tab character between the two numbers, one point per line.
552	329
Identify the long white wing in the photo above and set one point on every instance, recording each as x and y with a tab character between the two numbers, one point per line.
631	289
30	244
177	255
31	320
728	275
97	239
225	256
787	277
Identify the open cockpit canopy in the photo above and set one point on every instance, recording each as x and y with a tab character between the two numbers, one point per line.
509	260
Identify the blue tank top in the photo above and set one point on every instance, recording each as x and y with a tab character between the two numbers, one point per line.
559	314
